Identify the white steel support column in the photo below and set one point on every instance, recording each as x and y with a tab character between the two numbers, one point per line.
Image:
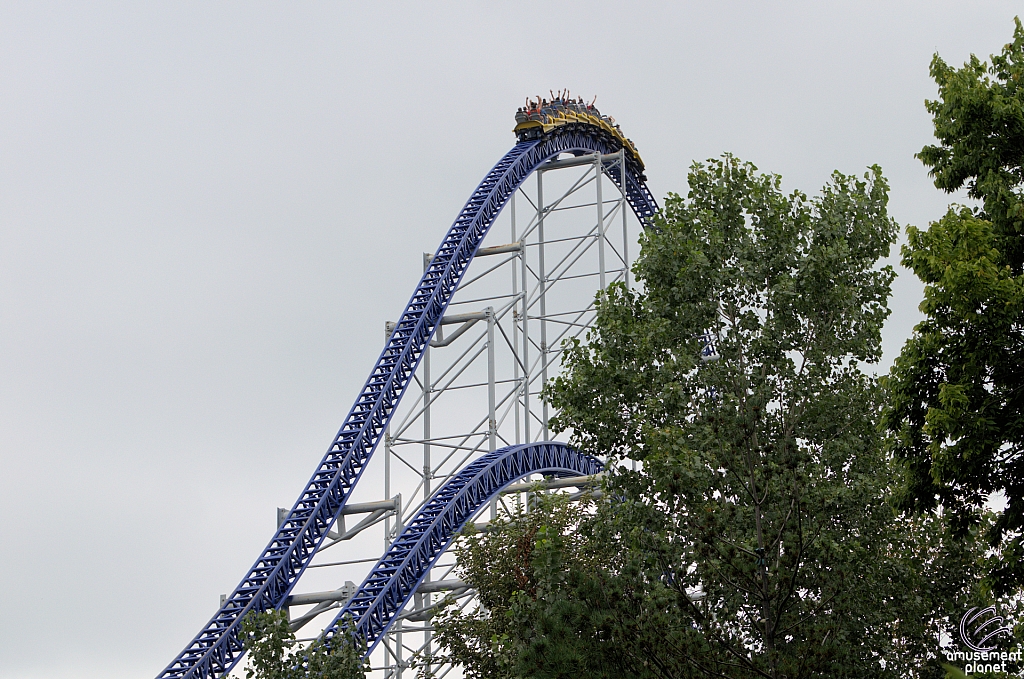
387	522
387	481
599	177
525	319
427	469
399	660
516	290
388	329
492	421
389	534
492	417
623	208
542	291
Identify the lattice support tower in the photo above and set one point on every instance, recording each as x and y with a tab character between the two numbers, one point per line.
475	346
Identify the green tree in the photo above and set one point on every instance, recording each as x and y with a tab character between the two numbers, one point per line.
957	390
756	539
545	603
763	471
274	654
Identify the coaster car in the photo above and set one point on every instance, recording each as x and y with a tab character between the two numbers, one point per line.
538	122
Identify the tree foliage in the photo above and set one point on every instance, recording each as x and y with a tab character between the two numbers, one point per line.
762	468
757	539
979	123
274	654
545	606
957	389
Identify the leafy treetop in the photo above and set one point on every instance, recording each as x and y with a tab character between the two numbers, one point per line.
956	392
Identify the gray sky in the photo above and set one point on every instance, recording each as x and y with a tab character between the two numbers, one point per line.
207	211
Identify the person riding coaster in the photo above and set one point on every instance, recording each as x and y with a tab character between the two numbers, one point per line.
541	117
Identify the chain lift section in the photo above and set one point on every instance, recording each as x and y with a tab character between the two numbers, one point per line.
305	528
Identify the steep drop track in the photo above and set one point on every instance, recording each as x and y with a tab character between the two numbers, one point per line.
217	647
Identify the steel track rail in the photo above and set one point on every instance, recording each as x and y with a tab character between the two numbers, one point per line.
393	581
218	646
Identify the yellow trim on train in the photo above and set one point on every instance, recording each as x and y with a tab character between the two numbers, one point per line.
566	117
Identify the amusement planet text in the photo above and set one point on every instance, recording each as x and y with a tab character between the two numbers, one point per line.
985	661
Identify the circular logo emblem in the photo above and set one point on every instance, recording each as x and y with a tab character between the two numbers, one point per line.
981	628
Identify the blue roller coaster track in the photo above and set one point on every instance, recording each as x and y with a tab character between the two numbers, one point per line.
392	582
218	646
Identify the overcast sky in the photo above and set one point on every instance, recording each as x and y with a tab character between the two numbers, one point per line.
208	210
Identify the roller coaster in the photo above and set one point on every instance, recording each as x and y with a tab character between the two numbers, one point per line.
478	460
